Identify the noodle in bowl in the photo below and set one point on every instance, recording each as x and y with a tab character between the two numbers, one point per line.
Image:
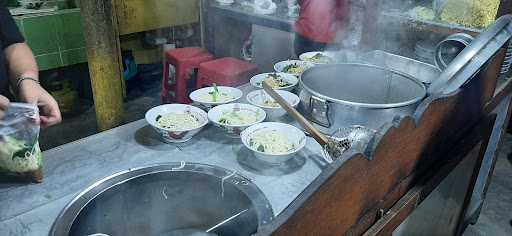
273	142
235	117
176	123
274	111
318	58
280	81
297	67
209	97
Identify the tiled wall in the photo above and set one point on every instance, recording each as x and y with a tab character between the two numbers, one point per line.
9	3
56	38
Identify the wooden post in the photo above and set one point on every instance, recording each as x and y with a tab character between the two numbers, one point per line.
104	57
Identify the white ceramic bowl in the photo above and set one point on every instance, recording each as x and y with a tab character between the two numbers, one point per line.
258	98
215	114
295	135
308	55
198	96
279	67
257	80
225	2
31	4
269	9
176	136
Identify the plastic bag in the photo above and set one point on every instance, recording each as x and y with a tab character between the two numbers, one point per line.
20	155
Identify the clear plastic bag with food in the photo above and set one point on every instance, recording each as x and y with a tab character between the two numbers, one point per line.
20	155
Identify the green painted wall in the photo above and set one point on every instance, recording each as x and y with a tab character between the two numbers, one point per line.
56	38
9	3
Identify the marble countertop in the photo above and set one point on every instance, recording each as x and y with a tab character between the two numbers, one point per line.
30	209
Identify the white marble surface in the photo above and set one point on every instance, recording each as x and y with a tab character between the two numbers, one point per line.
30	209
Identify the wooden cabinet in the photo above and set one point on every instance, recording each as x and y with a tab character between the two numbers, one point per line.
142	15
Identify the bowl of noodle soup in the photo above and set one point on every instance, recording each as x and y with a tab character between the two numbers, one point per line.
210	97
293	67
281	81
176	123
233	118
274	111
273	142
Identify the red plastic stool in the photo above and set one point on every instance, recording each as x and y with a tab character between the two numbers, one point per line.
225	71
184	61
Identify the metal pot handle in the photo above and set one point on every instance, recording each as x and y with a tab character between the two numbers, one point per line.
320	111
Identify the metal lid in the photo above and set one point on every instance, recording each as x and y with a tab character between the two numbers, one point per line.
469	62
450	47
362	85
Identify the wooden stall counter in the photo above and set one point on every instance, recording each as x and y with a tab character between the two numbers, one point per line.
445	141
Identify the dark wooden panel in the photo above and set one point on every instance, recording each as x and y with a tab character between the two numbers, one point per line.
476	142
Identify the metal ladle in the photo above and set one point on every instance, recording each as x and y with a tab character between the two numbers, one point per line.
335	148
194	231
209	232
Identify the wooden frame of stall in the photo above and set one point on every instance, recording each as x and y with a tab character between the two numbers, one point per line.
364	196
360	196
104	22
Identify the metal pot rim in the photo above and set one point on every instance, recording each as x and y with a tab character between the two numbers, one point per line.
68	215
366	105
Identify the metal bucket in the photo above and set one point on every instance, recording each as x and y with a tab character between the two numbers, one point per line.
341	95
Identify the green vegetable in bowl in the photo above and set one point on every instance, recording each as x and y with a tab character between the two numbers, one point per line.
215	93
294	68
275	81
320	58
216	96
239	117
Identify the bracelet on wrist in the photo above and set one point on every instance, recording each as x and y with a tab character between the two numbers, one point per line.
20	80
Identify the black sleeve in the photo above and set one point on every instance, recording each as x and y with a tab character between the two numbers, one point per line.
9	33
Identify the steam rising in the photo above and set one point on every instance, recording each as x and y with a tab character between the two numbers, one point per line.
409	28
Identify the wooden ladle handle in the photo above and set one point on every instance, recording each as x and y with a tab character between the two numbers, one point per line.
319	137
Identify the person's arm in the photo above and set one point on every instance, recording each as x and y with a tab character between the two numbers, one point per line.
24	79
21	62
4	104
23	72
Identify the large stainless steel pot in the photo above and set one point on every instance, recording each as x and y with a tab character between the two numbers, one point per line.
340	95
421	71
160	199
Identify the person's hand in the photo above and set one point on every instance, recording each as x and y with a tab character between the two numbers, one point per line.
4	104
32	92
